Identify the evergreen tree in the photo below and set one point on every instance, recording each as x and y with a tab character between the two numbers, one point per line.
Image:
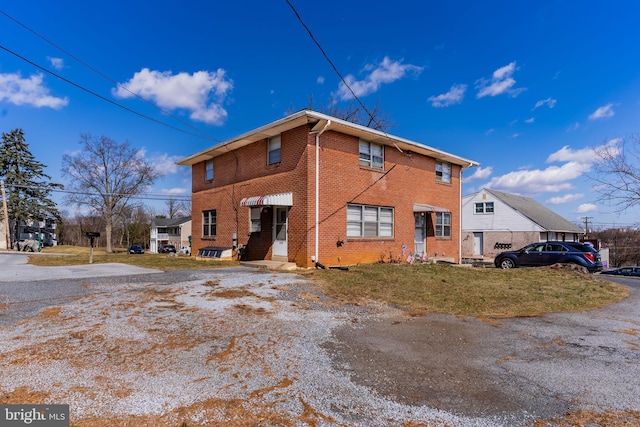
28	187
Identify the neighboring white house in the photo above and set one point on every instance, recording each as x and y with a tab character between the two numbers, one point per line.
174	231
493	221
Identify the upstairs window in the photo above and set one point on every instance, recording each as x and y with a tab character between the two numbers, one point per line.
484	208
443	172
208	170
273	155
371	155
369	221
209	223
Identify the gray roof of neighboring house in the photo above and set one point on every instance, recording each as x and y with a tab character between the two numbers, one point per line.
541	215
170	222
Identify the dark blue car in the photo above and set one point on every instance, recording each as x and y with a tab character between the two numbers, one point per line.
135	249
549	253
623	271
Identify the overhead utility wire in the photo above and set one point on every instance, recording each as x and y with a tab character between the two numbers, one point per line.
334	67
101	74
100	96
144	196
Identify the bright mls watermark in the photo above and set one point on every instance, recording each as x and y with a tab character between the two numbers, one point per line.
34	415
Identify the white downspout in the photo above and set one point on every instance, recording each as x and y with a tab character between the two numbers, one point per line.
317	220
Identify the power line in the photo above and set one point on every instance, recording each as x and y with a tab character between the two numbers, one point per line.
204	135
335	69
102	97
141	196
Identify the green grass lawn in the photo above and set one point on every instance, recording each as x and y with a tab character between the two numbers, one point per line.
421	288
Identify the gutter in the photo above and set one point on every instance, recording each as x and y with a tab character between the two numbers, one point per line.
314	258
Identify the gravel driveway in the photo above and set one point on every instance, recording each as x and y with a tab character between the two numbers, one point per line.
241	346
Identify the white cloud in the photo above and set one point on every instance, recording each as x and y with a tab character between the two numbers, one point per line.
585	156
454	96
489	132
549	102
387	71
202	93
552	179
176	191
164	163
602	112
564	199
573	127
530	120
320	80
516	135
501	82
586	207
57	63
30	91
480	173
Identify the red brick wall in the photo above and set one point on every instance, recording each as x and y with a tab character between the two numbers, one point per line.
406	179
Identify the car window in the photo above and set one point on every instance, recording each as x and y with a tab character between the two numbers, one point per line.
555	247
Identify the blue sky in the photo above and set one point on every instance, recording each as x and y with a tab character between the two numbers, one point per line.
527	89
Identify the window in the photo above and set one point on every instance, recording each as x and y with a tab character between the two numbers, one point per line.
208	170
443	172
254	220
443	224
273	155
209	223
369	221
371	155
484	208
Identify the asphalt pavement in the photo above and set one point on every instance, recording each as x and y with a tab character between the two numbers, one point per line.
14	267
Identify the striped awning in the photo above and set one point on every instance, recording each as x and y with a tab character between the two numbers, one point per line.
419	207
282	199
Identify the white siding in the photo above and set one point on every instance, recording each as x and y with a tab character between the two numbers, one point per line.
504	218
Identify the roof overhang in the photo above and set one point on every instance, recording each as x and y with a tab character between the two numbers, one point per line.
420	207
319	120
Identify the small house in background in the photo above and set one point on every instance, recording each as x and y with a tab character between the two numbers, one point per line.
172	231
493	221
314	190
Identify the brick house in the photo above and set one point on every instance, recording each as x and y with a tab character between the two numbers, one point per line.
312	188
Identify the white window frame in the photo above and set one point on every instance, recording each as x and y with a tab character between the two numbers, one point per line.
274	153
254	219
208	170
366	221
209	223
371	155
443	172
482	208
443	225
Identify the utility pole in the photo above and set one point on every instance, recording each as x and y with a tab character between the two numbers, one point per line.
5	216
586	227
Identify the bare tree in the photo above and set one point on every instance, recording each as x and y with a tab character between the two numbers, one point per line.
105	176
177	208
373	118
616	172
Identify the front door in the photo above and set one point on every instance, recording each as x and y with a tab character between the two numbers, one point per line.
280	232
477	244
420	234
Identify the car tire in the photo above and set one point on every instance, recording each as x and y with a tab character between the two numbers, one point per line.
507	263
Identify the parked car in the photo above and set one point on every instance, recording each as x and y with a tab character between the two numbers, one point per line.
135	249
549	253
623	271
165	249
